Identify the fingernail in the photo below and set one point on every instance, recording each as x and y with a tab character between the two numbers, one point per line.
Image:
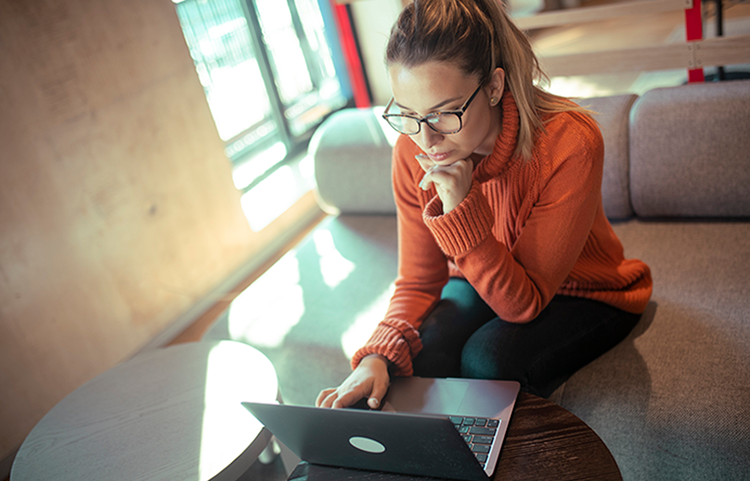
374	402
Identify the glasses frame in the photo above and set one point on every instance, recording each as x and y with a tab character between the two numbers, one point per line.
459	113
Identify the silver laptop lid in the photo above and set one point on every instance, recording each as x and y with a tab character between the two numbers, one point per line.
470	398
448	396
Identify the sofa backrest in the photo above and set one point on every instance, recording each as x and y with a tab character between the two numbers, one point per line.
690	151
352	156
674	152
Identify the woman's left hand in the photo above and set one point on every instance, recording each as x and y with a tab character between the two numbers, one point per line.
452	181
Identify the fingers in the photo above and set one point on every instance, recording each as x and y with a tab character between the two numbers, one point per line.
341	397
370	379
428	166
447	177
452	182
424	162
437	175
323	396
347	399
379	390
425	183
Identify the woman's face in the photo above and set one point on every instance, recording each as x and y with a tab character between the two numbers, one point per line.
436	86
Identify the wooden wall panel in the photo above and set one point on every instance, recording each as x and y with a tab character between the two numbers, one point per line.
117	208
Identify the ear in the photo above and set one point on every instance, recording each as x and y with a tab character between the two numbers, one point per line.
496	86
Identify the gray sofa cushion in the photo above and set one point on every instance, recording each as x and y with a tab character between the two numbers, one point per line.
612	115
690	151
671	401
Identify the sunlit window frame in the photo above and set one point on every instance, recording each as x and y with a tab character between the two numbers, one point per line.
294	145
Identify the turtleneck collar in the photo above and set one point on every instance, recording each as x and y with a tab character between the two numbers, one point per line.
505	144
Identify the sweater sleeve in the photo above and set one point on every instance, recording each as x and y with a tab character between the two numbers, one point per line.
422	271
518	282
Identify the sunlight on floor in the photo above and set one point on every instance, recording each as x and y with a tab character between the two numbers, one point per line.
234	373
262	316
334	267
278	192
365	323
269	199
246	172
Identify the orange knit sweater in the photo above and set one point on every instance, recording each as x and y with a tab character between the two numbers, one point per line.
526	231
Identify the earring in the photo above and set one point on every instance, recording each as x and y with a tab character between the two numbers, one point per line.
493	101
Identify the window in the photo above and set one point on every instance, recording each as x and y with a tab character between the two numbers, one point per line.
271	71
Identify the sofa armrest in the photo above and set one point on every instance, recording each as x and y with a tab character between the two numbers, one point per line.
352	155
613	114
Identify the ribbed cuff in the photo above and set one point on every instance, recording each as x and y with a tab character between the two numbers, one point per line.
397	340
462	229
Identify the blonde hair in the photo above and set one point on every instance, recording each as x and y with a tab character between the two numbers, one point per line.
478	37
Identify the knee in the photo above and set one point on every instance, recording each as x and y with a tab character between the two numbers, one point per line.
436	363
484	358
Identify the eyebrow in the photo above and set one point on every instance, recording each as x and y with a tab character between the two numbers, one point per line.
434	107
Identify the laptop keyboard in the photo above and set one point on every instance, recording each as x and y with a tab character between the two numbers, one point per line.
479	433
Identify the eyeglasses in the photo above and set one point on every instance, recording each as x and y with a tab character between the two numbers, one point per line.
443	122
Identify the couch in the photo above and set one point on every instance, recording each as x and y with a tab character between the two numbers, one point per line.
672	401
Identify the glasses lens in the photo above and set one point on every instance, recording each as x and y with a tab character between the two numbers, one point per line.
405	125
445	123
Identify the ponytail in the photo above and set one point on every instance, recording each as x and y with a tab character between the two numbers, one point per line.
478	36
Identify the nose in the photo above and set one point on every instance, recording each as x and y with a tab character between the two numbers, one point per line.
429	138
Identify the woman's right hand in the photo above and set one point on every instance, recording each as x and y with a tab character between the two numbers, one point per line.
369	380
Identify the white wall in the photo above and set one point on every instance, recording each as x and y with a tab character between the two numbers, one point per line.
118	213
373	20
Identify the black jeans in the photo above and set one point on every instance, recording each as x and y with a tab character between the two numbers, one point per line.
463	337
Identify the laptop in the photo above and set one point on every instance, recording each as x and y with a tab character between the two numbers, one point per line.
443	428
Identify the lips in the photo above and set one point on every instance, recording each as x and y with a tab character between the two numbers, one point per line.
439	157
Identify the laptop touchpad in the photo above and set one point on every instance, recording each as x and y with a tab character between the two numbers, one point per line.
425	395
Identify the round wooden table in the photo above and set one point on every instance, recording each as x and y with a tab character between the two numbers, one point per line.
544	441
171	413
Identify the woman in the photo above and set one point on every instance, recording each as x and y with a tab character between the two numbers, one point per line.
508	267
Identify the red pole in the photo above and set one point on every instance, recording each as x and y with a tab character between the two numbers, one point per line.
694	31
353	62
